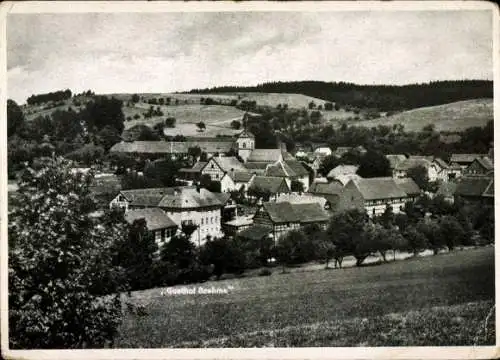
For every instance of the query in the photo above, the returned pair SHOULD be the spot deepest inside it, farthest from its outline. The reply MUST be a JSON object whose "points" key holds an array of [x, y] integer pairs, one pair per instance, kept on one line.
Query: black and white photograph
{"points": [[248, 175]]}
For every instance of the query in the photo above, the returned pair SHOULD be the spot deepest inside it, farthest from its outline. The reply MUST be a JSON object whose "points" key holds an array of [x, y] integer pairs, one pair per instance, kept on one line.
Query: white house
{"points": [[183, 205]]}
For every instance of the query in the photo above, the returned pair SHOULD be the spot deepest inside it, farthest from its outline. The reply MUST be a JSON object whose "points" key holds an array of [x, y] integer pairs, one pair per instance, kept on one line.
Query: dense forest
{"points": [[51, 96], [381, 97]]}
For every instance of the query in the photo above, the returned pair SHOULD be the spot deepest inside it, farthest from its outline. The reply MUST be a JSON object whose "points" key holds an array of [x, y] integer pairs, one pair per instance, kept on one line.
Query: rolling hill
{"points": [[455, 116]]}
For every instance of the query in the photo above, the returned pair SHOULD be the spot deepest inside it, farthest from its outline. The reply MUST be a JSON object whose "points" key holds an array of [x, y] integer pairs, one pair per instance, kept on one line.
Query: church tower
{"points": [[245, 141]]}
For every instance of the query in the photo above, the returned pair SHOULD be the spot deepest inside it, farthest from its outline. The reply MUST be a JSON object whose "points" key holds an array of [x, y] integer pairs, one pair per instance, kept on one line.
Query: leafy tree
{"points": [[312, 105], [135, 98], [207, 183], [235, 124], [224, 255], [288, 248], [60, 262], [133, 180], [147, 134], [194, 153], [419, 175], [136, 254], [328, 163], [163, 171], [451, 231], [374, 164], [259, 193], [107, 137], [15, 117], [328, 106], [170, 122], [102, 112], [66, 125], [417, 242], [201, 126], [88, 154], [346, 231], [387, 217], [431, 230]]}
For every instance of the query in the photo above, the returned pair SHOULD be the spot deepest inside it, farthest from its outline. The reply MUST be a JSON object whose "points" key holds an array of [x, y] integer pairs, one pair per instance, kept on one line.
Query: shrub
{"points": [[265, 272]]}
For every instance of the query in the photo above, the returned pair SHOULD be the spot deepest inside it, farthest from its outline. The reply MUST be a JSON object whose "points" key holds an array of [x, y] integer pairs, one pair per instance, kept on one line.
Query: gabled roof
{"points": [[281, 212], [246, 134], [443, 164], [342, 170], [269, 183], [297, 167], [279, 169], [333, 188], [144, 197], [265, 155], [155, 218], [378, 188], [485, 162], [310, 212], [197, 167], [475, 186], [408, 185], [229, 163], [108, 184], [241, 176], [251, 165], [223, 197], [184, 197], [465, 158], [412, 162], [344, 179]]}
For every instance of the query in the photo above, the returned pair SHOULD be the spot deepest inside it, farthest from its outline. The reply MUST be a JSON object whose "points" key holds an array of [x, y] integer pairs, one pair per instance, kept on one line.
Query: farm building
{"points": [[480, 166], [274, 186], [176, 149], [464, 160], [373, 195], [183, 205], [157, 222], [342, 170], [476, 189]]}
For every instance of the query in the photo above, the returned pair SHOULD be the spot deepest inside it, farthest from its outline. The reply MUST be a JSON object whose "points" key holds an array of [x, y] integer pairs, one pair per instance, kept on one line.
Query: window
{"points": [[217, 176], [244, 145], [212, 166], [201, 221], [211, 220]]}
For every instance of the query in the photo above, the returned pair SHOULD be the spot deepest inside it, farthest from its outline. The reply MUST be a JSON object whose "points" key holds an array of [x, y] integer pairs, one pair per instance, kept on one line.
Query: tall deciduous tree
{"points": [[63, 288], [374, 164], [15, 117]]}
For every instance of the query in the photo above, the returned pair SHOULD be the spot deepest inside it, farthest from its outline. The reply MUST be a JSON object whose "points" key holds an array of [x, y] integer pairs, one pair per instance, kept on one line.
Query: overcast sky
{"points": [[126, 52]]}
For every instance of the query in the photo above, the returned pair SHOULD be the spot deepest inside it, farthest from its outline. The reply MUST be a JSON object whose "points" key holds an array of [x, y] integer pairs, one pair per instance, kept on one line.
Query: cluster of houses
{"points": [[239, 166]]}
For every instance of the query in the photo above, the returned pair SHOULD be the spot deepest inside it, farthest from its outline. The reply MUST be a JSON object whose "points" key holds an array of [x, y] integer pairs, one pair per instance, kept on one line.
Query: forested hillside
{"points": [[381, 97]]}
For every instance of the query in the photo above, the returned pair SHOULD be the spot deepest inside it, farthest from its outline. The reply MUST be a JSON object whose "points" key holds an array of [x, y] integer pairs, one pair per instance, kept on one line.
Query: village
{"points": [[286, 191]]}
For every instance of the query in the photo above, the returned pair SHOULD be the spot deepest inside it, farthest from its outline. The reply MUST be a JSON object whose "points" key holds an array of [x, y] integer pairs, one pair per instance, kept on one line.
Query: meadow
{"points": [[436, 300], [451, 117]]}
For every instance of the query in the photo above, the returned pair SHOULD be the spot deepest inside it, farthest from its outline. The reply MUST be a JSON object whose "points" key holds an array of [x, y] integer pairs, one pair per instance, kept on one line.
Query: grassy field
{"points": [[456, 116], [217, 118], [437, 300]]}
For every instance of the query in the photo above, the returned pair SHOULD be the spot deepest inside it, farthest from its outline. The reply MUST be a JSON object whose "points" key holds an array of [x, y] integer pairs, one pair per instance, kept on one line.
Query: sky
{"points": [[166, 52]]}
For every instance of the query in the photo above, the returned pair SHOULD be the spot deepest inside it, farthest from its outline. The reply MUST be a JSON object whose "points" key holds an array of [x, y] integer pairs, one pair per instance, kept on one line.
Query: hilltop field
{"points": [[452, 117], [188, 109], [427, 301]]}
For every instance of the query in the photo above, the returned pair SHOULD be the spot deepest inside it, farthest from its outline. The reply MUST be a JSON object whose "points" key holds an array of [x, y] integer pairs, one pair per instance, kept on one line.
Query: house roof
{"points": [[223, 197], [251, 165], [265, 155], [281, 212], [408, 185], [280, 169], [310, 212], [485, 162], [246, 134], [197, 167], [412, 162], [171, 147], [465, 158], [395, 159], [475, 186], [241, 176], [229, 163], [342, 170], [334, 188], [184, 197], [379, 188], [344, 179], [179, 197], [297, 167], [155, 218], [269, 183], [144, 197], [443, 164], [255, 232]]}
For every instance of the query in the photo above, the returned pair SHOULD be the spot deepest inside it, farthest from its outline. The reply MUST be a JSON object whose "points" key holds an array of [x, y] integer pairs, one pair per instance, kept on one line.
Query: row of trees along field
{"points": [[382, 97]]}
